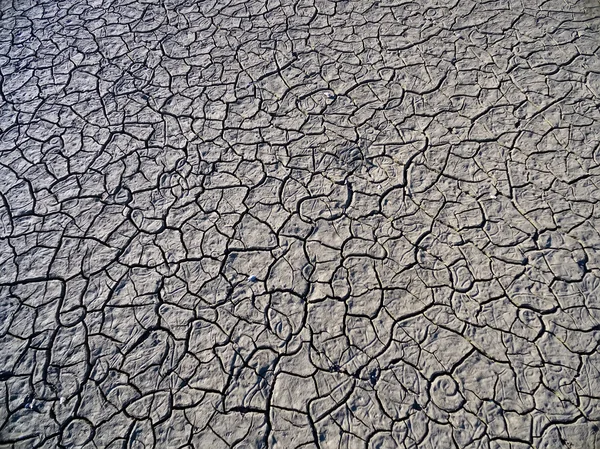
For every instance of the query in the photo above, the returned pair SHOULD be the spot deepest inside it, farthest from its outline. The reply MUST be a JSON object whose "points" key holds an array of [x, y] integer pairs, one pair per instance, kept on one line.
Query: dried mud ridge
{"points": [[299, 224]]}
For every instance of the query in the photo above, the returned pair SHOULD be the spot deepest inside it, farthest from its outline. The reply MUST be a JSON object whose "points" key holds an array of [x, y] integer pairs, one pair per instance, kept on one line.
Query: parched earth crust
{"points": [[299, 224]]}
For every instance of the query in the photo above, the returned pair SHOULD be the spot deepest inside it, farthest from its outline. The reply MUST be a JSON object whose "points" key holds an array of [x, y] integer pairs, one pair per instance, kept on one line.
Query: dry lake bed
{"points": [[299, 224]]}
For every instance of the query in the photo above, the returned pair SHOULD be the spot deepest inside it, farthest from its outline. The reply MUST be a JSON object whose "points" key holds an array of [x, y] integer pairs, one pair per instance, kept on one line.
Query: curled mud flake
{"points": [[123, 196], [445, 393], [137, 216]]}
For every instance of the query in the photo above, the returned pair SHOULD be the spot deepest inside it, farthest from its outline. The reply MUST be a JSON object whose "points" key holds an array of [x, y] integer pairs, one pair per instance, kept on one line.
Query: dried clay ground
{"points": [[299, 224]]}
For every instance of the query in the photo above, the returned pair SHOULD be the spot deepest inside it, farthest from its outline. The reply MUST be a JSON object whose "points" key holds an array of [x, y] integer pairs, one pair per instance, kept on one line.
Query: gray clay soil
{"points": [[299, 224]]}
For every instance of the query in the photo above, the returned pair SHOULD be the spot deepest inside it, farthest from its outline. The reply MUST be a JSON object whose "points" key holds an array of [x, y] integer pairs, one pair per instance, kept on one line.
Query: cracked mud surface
{"points": [[299, 224]]}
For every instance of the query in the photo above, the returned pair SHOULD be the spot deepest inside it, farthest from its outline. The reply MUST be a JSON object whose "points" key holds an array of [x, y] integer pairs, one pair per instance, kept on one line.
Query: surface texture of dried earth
{"points": [[299, 224]]}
